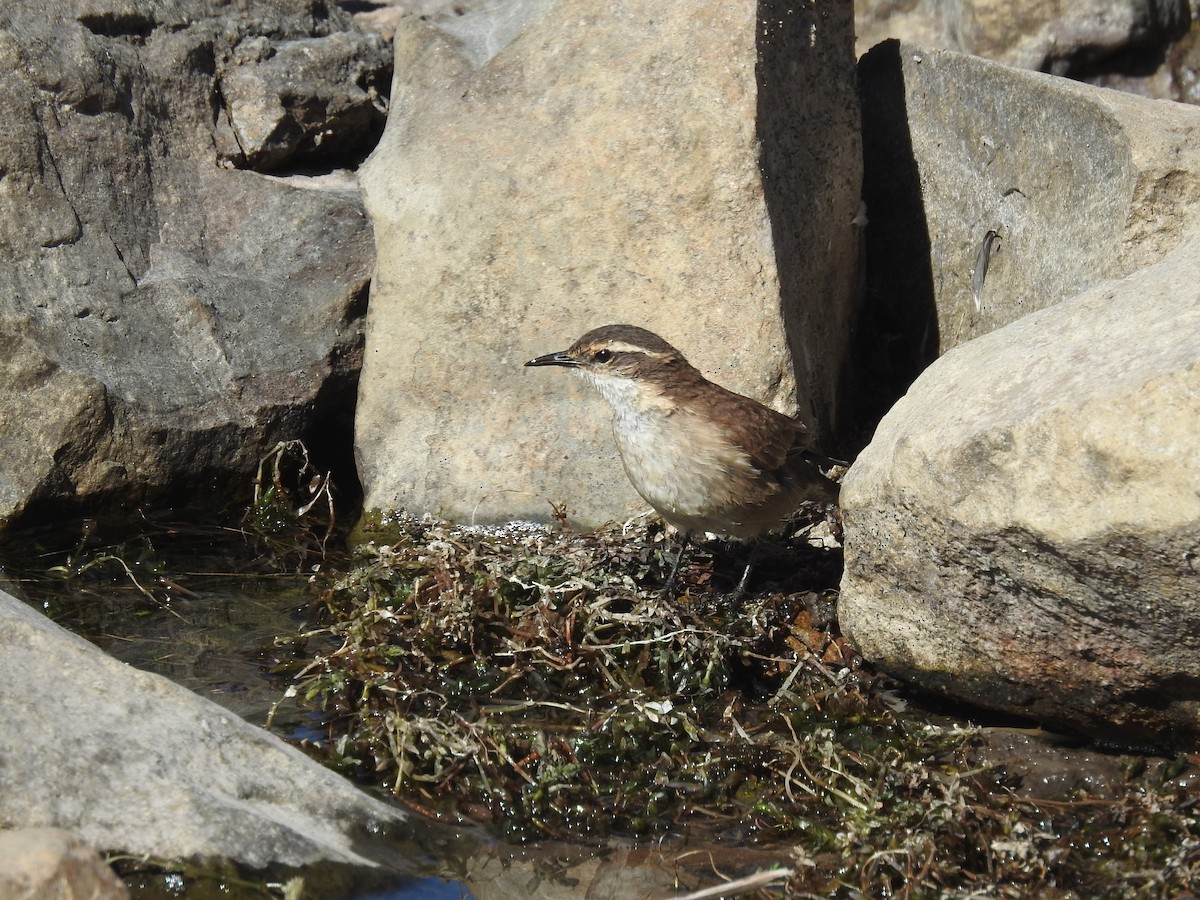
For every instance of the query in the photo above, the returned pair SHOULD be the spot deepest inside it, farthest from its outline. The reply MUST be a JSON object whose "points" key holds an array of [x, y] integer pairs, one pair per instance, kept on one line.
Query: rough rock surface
{"points": [[131, 761], [306, 99], [692, 168], [1022, 532], [164, 320], [44, 863], [1074, 184]]}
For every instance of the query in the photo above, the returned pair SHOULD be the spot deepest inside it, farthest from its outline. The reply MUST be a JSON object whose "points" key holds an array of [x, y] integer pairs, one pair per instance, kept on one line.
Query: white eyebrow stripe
{"points": [[622, 347]]}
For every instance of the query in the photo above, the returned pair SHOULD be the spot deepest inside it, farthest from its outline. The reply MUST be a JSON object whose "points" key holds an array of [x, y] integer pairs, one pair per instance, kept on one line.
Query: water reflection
{"points": [[214, 633]]}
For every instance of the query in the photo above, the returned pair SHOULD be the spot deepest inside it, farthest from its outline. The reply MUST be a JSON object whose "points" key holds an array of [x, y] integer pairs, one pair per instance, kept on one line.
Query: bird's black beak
{"points": [[562, 358]]}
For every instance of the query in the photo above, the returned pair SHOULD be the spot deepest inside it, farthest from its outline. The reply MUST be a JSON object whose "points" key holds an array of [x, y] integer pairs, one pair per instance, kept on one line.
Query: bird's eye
{"points": [[602, 356]]}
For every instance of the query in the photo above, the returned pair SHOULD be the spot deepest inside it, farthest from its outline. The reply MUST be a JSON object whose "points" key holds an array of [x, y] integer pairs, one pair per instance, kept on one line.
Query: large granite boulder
{"points": [[130, 761], [690, 167], [167, 317], [1021, 530]]}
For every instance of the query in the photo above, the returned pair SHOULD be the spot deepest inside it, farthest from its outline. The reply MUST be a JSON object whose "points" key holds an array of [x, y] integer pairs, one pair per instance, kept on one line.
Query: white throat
{"points": [[632, 402], [622, 394]]}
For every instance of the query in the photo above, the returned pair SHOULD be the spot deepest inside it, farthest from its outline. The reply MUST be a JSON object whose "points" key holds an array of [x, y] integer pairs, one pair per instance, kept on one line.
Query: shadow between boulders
{"points": [[891, 329], [896, 334], [807, 127]]}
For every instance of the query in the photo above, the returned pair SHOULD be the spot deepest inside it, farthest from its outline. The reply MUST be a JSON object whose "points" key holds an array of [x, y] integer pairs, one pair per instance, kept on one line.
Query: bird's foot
{"points": [[669, 589]]}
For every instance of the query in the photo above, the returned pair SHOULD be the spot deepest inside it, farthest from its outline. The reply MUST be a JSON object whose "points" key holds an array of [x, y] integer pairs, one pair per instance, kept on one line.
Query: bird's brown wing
{"points": [[773, 442], [782, 446], [773, 437]]}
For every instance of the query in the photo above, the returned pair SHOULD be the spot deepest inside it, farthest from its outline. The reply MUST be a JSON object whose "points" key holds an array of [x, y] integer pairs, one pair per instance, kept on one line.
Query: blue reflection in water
{"points": [[424, 889]]}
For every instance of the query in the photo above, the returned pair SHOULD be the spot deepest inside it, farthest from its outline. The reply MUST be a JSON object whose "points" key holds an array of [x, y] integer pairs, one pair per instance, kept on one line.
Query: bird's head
{"points": [[631, 367], [617, 351]]}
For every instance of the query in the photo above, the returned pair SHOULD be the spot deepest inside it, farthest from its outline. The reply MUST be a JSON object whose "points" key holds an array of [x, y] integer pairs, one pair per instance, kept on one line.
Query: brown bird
{"points": [[705, 458]]}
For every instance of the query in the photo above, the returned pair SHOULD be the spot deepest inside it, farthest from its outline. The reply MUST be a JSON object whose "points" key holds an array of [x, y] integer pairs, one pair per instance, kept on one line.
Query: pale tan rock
{"points": [[1024, 530], [625, 162], [43, 863]]}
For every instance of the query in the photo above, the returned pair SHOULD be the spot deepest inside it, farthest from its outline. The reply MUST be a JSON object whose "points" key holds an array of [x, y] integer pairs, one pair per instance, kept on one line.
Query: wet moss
{"points": [[539, 681]]}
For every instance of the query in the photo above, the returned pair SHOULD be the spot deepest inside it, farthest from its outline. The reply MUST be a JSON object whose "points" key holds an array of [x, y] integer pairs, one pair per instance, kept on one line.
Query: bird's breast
{"points": [[683, 467]]}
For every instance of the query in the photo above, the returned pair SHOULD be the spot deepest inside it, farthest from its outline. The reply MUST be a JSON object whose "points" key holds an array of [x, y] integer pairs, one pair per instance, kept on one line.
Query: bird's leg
{"points": [[669, 588], [740, 591]]}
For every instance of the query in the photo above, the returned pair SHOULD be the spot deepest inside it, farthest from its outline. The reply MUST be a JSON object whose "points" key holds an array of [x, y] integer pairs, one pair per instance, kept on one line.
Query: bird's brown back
{"points": [[777, 445]]}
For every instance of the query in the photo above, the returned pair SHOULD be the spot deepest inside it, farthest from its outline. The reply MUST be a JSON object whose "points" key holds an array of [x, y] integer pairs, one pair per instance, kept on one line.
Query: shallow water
{"points": [[210, 625], [217, 641]]}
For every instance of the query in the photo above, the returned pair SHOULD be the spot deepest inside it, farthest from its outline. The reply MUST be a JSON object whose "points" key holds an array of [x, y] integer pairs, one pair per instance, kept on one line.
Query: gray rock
{"points": [[166, 321], [1020, 533], [690, 168], [52, 863], [1074, 185], [309, 98], [131, 761]]}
